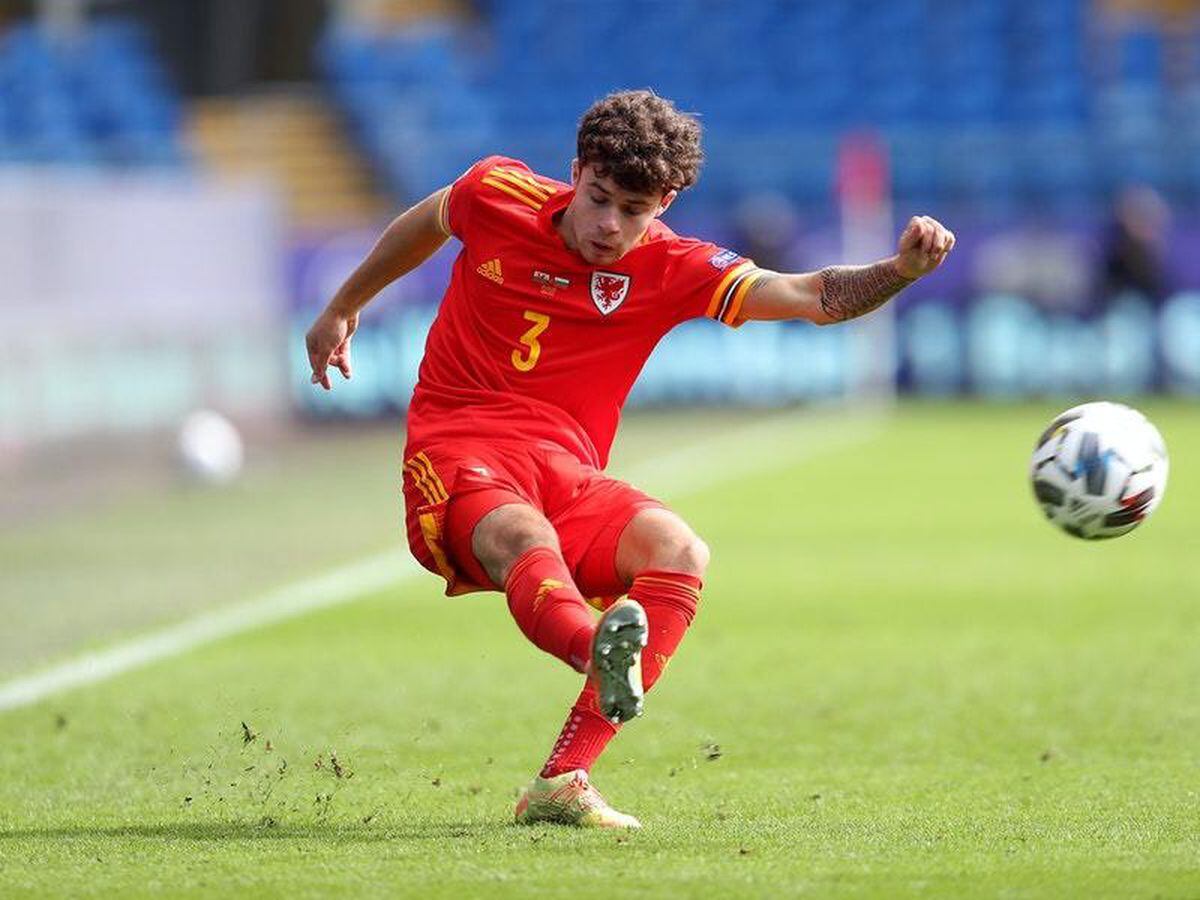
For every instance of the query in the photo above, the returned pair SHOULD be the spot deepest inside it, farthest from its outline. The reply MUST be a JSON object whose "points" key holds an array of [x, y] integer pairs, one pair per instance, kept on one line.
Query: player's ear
{"points": [[667, 200], [575, 170]]}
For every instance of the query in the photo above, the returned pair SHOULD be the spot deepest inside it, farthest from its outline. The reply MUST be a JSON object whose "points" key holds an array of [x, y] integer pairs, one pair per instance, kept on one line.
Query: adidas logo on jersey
{"points": [[492, 271]]}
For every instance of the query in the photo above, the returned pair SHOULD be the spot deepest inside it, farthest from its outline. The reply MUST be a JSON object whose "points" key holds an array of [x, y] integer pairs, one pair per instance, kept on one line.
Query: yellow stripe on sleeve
{"points": [[520, 181], [512, 192], [735, 306], [444, 213], [548, 187], [719, 293], [533, 179]]}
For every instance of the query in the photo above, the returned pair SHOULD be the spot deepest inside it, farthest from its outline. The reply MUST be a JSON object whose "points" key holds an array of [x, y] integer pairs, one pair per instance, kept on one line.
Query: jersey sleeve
{"points": [[456, 213], [709, 281]]}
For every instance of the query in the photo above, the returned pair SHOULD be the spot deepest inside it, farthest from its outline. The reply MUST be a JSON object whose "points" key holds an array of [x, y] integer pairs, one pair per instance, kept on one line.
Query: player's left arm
{"points": [[838, 293]]}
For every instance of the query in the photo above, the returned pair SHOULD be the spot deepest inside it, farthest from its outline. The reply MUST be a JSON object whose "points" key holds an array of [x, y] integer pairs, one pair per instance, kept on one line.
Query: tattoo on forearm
{"points": [[851, 291]]}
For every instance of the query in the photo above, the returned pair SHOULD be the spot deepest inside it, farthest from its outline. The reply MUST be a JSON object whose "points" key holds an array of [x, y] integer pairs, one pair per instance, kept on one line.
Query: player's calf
{"points": [[518, 548], [548, 607]]}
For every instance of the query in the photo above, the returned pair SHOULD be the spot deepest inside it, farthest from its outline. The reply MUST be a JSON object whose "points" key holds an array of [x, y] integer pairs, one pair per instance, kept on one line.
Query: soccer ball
{"points": [[1099, 470], [210, 448]]}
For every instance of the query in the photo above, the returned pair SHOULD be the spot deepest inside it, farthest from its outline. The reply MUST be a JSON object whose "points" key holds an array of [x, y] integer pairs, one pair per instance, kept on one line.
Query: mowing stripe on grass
{"points": [[734, 454]]}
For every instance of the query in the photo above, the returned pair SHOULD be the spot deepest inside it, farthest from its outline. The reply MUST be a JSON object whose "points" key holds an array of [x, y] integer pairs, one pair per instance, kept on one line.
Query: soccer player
{"points": [[558, 296]]}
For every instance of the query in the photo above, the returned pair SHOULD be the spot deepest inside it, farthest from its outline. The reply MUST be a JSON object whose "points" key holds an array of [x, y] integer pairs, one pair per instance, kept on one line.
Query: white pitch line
{"points": [[336, 586], [757, 447]]}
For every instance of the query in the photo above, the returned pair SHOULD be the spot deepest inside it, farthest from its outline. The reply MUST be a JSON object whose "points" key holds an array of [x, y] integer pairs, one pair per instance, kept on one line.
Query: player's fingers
{"points": [[941, 232], [927, 236], [318, 373], [318, 358], [343, 358], [935, 233], [939, 236]]}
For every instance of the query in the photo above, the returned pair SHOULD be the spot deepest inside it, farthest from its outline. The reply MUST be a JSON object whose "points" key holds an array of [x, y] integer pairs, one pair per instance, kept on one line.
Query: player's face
{"points": [[604, 221]]}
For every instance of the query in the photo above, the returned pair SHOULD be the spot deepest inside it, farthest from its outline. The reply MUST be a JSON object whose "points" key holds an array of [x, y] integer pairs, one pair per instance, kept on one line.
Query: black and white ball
{"points": [[1099, 470]]}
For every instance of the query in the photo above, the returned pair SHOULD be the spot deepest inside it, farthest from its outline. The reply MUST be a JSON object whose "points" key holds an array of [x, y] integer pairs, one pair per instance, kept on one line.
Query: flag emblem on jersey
{"points": [[723, 259], [545, 278], [492, 271], [609, 290]]}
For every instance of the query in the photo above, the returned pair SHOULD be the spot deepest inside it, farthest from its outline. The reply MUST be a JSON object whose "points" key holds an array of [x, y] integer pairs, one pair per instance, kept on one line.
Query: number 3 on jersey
{"points": [[523, 362]]}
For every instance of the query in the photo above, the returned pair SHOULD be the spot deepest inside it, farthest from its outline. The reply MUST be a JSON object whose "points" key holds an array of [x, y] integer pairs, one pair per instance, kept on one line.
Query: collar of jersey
{"points": [[554, 205]]}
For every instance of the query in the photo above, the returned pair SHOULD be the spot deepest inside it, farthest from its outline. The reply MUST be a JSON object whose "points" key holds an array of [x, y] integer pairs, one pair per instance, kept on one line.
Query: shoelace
{"points": [[588, 797], [580, 791]]}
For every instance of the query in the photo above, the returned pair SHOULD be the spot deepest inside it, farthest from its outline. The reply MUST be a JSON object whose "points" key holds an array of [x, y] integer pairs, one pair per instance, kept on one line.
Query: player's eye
{"points": [[599, 200]]}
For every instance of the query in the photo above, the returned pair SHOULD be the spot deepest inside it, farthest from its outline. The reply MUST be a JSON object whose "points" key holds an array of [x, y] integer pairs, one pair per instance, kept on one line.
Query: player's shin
{"points": [[548, 607], [583, 738]]}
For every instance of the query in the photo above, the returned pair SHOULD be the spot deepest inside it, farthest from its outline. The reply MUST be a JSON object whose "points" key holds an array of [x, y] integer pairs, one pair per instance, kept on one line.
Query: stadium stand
{"points": [[1005, 107], [100, 98], [294, 138]]}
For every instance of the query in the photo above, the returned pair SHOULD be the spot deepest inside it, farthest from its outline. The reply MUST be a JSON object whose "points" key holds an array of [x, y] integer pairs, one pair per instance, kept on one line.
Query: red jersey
{"points": [[533, 342]]}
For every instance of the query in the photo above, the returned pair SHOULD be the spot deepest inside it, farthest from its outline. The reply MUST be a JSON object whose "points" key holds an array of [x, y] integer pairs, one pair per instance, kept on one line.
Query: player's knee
{"points": [[659, 539], [680, 550], [693, 557], [504, 534]]}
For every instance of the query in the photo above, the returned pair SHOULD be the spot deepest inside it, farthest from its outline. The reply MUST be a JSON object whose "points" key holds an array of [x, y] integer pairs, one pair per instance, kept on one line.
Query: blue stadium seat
{"points": [[1056, 170], [980, 169], [986, 104], [1141, 56], [97, 100]]}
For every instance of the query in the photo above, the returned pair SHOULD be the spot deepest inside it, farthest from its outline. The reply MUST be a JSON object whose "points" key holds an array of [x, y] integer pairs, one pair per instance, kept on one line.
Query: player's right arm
{"points": [[408, 241]]}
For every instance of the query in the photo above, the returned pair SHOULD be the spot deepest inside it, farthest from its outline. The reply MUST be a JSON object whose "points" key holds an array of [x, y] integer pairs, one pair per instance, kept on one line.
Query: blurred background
{"points": [[183, 184]]}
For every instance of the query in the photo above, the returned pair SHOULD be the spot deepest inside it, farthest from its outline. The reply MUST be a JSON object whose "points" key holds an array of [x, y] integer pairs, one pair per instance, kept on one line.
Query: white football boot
{"points": [[569, 799]]}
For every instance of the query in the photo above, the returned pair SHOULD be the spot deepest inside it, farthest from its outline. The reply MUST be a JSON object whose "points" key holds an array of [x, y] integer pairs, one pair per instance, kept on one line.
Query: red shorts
{"points": [[448, 488]]}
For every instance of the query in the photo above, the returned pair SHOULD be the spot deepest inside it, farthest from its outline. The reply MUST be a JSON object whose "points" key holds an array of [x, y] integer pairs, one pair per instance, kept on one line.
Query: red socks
{"points": [[548, 607], [583, 738], [670, 600]]}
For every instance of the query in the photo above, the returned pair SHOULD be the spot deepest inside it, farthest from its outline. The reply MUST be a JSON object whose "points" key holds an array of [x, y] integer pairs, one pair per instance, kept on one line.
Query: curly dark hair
{"points": [[641, 141]]}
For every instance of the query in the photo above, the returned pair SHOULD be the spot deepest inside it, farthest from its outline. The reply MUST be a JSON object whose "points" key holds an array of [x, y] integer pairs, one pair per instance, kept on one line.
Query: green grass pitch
{"points": [[902, 683]]}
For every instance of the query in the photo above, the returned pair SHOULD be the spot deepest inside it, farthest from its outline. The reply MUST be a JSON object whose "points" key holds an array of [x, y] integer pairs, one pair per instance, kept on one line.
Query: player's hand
{"points": [[923, 246], [328, 344]]}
